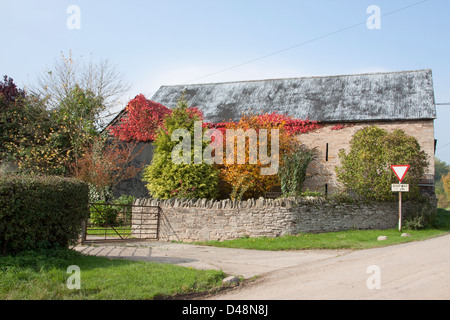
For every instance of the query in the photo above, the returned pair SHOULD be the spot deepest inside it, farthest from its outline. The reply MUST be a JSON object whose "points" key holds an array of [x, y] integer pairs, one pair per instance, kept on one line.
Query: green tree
{"points": [[441, 170], [101, 78], [166, 179], [446, 183], [49, 141], [24, 126], [365, 170], [77, 115], [12, 112]]}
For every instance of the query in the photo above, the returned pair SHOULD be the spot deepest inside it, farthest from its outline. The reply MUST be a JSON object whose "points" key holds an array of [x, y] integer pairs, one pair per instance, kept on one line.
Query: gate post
{"points": [[83, 231], [158, 217], [135, 225]]}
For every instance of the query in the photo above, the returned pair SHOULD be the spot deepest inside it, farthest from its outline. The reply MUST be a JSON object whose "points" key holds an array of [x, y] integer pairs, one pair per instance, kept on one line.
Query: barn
{"points": [[342, 104]]}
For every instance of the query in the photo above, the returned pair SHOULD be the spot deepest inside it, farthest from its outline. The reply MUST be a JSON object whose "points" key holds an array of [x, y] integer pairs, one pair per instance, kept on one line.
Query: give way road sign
{"points": [[400, 171]]}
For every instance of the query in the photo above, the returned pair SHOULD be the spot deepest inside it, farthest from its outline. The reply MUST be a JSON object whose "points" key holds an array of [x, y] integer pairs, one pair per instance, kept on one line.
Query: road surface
{"points": [[417, 270]]}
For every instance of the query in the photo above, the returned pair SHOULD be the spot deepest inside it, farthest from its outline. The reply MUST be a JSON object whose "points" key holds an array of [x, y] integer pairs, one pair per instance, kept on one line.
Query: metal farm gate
{"points": [[116, 222]]}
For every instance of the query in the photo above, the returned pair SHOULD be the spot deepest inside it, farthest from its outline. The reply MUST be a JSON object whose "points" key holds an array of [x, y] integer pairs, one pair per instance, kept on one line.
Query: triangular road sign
{"points": [[400, 171]]}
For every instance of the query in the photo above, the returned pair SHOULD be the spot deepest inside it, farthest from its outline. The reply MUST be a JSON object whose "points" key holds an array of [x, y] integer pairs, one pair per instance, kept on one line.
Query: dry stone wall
{"points": [[203, 220]]}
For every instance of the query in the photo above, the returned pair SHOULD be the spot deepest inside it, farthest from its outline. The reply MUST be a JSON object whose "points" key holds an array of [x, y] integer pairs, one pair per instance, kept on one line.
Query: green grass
{"points": [[350, 239], [43, 276]]}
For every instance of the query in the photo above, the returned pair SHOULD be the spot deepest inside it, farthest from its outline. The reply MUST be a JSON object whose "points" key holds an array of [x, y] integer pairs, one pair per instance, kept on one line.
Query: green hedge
{"points": [[40, 212]]}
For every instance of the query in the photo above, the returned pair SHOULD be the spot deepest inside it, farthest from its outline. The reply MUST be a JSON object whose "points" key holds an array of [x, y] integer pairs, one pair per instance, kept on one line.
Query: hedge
{"points": [[40, 212]]}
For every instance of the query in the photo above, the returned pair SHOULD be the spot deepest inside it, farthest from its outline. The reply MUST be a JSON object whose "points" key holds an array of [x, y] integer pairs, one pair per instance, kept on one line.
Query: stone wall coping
{"points": [[235, 204]]}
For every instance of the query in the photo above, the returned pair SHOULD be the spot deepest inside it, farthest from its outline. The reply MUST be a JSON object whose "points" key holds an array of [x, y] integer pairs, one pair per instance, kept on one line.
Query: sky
{"points": [[155, 43]]}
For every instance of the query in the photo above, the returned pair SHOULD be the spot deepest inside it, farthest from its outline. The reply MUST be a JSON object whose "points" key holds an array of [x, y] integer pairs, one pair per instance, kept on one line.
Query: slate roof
{"points": [[406, 95]]}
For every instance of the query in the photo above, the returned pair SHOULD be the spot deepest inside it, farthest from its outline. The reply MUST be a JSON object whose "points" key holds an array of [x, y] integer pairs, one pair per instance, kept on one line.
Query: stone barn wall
{"points": [[329, 142]]}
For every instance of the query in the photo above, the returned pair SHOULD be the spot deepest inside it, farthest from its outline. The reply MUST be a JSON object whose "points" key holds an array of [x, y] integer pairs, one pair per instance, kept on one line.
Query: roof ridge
{"points": [[306, 77]]}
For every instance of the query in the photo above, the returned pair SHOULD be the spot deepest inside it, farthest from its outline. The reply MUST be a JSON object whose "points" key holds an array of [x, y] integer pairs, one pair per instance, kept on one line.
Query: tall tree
{"points": [[446, 182], [11, 110], [46, 141], [102, 78], [21, 117], [441, 170]]}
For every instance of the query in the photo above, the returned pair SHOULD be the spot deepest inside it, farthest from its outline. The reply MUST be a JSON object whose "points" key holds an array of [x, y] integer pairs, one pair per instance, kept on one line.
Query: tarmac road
{"points": [[413, 271], [416, 270]]}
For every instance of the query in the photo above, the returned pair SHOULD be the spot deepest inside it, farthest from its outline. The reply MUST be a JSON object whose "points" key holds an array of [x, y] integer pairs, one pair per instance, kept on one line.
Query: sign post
{"points": [[399, 211], [400, 171]]}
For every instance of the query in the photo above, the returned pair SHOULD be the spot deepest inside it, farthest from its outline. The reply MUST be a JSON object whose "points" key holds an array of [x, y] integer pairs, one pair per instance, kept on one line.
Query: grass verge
{"points": [[43, 276], [350, 239]]}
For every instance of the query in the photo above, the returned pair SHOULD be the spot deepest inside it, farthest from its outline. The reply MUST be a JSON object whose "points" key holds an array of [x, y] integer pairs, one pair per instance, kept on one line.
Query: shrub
{"points": [[116, 213], [309, 193], [40, 212], [366, 171], [106, 163], [103, 215], [166, 179], [257, 184], [293, 171], [421, 214], [183, 192], [244, 183]]}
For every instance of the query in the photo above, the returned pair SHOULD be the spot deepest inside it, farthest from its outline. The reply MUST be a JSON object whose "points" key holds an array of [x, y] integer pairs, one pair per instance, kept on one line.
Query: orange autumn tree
{"points": [[105, 163], [244, 178]]}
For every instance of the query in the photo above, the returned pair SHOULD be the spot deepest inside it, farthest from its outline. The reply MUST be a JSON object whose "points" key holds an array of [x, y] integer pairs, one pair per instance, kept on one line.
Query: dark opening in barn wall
{"points": [[135, 186]]}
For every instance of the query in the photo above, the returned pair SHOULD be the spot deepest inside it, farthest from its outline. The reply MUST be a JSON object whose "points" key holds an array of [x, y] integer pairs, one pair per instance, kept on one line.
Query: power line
{"points": [[303, 43], [448, 144]]}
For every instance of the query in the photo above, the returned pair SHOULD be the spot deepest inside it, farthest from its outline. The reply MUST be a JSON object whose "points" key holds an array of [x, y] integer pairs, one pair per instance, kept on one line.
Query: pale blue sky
{"points": [[167, 42]]}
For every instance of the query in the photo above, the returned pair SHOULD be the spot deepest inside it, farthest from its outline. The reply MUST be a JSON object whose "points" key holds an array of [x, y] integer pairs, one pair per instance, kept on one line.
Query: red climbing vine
{"points": [[142, 119]]}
